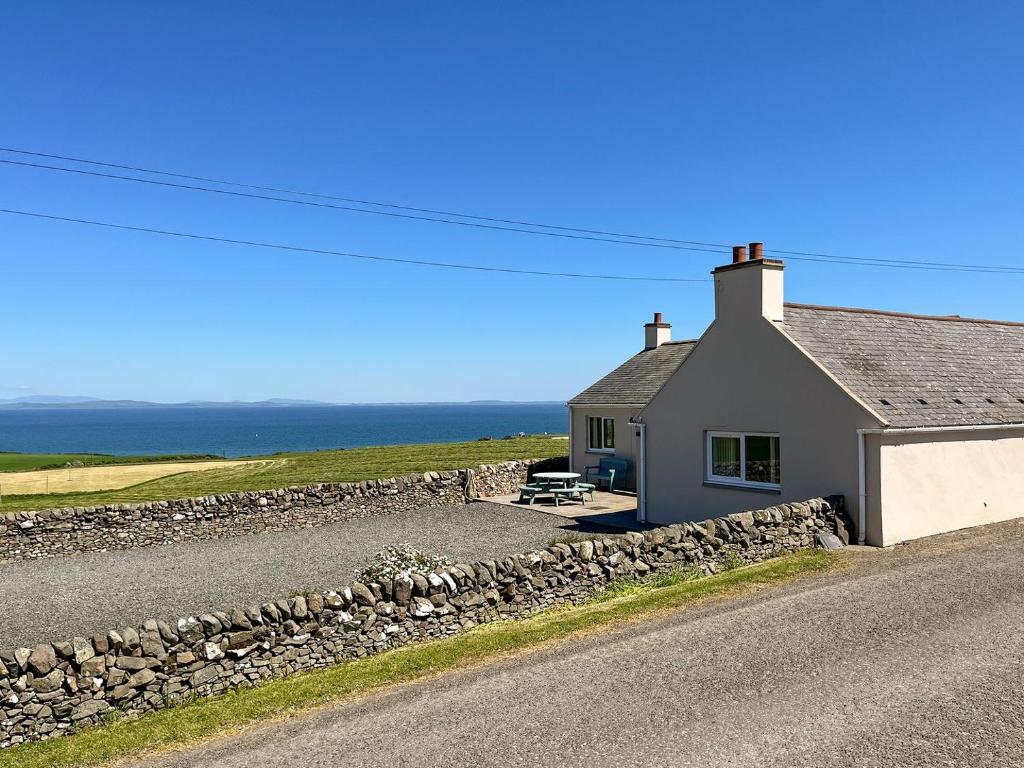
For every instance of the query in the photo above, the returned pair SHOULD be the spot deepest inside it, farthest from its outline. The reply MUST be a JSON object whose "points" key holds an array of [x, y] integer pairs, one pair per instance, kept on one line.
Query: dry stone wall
{"points": [[73, 530], [60, 687]]}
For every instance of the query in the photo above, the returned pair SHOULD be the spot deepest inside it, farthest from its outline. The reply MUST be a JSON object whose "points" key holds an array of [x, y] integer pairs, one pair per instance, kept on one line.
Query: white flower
{"points": [[401, 560]]}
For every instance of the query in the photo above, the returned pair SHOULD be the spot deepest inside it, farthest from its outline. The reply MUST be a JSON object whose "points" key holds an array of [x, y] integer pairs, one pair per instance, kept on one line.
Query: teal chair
{"points": [[606, 471]]}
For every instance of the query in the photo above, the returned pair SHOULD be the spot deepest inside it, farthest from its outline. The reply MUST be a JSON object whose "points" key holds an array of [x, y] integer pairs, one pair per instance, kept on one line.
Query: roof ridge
{"points": [[911, 315]]}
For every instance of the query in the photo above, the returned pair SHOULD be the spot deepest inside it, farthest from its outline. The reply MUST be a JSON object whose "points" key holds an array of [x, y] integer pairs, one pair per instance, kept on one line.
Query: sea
{"points": [[249, 431]]}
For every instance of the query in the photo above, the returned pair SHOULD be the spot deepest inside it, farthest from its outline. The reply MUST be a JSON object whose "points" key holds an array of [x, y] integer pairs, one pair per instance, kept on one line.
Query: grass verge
{"points": [[281, 470], [204, 718]]}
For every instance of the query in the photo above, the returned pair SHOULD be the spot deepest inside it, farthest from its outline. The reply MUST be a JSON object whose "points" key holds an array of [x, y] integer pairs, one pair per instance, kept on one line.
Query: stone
{"points": [[89, 708], [422, 607], [420, 585], [131, 640], [49, 682], [42, 659], [362, 594], [211, 626], [21, 657], [131, 663], [82, 650], [212, 651], [842, 530], [242, 652], [101, 643], [151, 643], [586, 550], [94, 667], [141, 678], [205, 675], [123, 692], [269, 610], [635, 539], [401, 588], [315, 603], [64, 648], [240, 639], [828, 541]]}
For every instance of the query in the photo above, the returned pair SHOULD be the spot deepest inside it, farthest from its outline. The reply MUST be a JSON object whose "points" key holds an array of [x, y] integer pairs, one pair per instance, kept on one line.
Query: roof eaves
{"points": [[605, 405], [982, 426]]}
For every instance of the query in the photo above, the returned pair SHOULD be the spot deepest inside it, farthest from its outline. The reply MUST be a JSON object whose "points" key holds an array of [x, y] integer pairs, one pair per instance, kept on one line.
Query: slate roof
{"points": [[638, 379], [918, 370]]}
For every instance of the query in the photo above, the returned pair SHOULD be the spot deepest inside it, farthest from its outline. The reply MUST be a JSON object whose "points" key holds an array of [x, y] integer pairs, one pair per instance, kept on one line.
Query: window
{"points": [[750, 459], [601, 434]]}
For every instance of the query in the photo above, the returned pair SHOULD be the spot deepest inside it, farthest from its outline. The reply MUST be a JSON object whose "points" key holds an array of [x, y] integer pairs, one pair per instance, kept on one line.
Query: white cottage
{"points": [[917, 420]]}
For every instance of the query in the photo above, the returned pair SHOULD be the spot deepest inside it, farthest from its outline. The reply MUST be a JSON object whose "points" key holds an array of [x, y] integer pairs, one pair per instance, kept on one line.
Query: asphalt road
{"points": [[909, 657], [62, 597]]}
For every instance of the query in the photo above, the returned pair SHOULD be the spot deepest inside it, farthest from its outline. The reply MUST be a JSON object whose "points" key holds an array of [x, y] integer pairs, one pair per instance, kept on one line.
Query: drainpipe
{"points": [[641, 472], [572, 445], [862, 493]]}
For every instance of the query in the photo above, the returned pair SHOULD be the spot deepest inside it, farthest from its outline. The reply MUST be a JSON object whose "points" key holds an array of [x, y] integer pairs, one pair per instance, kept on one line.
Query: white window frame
{"points": [[741, 481], [602, 419]]}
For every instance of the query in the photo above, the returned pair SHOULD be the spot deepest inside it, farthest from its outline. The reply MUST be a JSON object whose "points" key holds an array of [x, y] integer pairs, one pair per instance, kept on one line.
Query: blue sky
{"points": [[884, 130]]}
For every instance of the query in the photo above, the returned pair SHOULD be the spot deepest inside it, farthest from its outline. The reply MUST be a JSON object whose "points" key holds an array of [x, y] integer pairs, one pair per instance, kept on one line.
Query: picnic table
{"points": [[555, 478], [559, 485]]}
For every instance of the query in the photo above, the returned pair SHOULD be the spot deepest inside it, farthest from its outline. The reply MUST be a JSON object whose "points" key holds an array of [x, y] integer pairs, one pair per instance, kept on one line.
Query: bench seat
{"points": [[572, 493], [529, 492]]}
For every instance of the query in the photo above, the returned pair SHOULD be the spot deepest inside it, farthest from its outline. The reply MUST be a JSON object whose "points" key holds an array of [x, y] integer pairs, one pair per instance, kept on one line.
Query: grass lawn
{"points": [[205, 718], [286, 469], [26, 462]]}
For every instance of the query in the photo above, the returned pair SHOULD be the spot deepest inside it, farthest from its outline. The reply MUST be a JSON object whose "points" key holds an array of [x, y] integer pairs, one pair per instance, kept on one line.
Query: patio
{"points": [[612, 510]]}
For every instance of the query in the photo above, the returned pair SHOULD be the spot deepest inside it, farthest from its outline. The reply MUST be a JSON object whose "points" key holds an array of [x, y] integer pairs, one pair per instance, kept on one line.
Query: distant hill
{"points": [[95, 403], [48, 402]]}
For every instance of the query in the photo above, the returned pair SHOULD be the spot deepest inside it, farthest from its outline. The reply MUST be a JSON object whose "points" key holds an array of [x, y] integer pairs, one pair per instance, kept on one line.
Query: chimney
{"points": [[656, 333], [750, 288]]}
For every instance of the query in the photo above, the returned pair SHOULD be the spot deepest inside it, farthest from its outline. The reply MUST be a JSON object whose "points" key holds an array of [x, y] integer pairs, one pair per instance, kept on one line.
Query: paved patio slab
{"points": [[610, 510]]}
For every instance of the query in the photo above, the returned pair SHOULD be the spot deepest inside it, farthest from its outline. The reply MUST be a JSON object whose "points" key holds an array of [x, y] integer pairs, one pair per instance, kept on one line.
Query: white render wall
{"points": [[942, 481], [747, 375], [626, 446]]}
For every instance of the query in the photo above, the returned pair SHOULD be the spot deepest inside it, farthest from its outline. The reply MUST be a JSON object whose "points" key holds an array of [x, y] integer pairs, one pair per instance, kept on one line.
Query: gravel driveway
{"points": [[57, 598], [910, 657]]}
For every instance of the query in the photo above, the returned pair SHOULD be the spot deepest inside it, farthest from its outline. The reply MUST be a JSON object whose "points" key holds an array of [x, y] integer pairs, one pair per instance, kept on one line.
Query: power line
{"points": [[664, 243], [600, 235], [346, 254], [324, 196], [417, 217]]}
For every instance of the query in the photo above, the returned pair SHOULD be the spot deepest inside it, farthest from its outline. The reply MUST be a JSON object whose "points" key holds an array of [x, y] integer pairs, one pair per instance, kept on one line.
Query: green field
{"points": [[287, 469], [26, 462]]}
